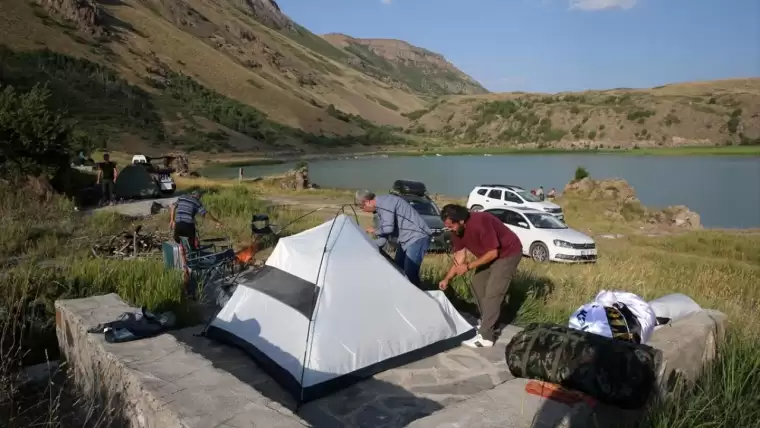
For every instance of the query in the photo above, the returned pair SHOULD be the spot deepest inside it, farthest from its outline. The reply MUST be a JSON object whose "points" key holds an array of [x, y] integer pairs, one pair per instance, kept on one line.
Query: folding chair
{"points": [[206, 266], [212, 245]]}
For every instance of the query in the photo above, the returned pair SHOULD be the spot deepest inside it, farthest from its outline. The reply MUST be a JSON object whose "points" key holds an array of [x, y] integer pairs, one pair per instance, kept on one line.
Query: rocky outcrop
{"points": [[678, 216], [38, 187], [396, 60], [295, 179], [620, 203], [615, 189], [268, 13], [86, 14]]}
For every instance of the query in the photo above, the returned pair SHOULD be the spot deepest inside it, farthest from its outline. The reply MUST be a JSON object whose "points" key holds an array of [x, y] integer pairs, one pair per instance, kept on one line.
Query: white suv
{"points": [[490, 196]]}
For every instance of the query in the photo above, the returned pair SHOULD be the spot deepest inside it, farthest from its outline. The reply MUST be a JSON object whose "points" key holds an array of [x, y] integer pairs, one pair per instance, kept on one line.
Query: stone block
{"points": [[687, 345], [158, 382]]}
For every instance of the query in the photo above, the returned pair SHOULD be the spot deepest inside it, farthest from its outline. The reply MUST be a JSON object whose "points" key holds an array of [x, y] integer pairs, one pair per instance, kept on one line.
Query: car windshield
{"points": [[425, 208], [528, 196], [545, 221]]}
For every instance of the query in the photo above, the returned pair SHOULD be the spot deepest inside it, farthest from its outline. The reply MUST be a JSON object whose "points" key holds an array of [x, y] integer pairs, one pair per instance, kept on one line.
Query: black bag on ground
{"points": [[615, 372], [136, 325]]}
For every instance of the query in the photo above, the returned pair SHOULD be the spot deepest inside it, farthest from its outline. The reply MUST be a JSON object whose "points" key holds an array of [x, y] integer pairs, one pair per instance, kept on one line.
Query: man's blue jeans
{"points": [[410, 260]]}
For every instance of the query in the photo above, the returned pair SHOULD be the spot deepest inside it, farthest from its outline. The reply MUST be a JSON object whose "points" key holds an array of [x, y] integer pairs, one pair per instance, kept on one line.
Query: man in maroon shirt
{"points": [[498, 251]]}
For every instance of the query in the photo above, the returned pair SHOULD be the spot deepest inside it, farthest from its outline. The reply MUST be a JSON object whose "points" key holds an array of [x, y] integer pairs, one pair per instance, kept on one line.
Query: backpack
{"points": [[615, 372]]}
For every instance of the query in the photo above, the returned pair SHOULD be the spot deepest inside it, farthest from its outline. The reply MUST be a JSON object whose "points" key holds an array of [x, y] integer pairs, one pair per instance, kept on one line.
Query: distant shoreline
{"points": [[739, 151]]}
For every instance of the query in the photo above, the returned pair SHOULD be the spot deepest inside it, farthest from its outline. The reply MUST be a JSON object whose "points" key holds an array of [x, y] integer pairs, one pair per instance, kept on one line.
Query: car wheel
{"points": [[476, 208], [539, 252]]}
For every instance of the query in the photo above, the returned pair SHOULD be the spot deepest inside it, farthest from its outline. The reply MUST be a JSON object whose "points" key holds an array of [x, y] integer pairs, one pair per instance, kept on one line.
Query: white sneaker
{"points": [[478, 342]]}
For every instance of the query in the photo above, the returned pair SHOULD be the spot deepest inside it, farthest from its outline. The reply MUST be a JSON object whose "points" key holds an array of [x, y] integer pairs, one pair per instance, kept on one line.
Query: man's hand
{"points": [[171, 225], [459, 269], [443, 285], [371, 230]]}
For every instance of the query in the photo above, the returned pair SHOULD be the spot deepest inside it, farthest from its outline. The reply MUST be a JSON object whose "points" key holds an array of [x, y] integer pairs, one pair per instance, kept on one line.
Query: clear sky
{"points": [[559, 45]]}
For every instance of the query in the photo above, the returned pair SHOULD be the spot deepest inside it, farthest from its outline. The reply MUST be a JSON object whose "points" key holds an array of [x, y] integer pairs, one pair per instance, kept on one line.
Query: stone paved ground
{"points": [[389, 399], [397, 397]]}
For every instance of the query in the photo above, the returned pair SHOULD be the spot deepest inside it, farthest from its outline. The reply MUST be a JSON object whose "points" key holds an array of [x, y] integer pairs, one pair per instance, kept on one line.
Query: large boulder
{"points": [[295, 179], [619, 202], [85, 14], [678, 216], [615, 189]]}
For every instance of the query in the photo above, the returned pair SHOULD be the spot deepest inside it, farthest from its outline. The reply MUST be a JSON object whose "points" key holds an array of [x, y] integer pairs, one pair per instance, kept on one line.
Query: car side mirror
{"points": [[523, 224]]}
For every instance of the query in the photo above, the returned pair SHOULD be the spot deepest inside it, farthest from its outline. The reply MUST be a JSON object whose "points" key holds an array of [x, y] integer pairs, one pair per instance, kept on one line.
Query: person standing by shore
{"points": [[498, 252], [399, 219], [107, 174]]}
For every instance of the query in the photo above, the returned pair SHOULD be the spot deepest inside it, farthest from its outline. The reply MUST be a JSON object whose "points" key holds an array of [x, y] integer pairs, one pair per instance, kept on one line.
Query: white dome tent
{"points": [[328, 309]]}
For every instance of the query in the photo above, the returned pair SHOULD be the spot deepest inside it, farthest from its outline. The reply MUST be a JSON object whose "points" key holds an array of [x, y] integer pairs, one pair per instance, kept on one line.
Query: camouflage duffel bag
{"points": [[615, 372]]}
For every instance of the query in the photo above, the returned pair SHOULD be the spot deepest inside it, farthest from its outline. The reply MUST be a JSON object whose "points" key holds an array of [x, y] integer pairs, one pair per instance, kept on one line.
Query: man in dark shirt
{"points": [[498, 252], [107, 173]]}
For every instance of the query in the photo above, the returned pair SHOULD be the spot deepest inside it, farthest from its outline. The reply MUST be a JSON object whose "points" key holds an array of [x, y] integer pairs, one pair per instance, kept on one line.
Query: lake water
{"points": [[725, 191]]}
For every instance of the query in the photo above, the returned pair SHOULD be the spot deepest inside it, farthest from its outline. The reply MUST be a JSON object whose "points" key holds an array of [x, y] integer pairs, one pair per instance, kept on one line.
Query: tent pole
{"points": [[313, 318]]}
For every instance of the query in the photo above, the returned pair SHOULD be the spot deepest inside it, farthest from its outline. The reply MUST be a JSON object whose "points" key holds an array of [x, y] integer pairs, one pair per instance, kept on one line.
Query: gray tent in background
{"points": [[134, 182]]}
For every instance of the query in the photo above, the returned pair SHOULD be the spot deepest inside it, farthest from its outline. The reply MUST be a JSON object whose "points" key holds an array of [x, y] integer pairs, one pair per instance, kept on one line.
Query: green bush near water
{"points": [[581, 173]]}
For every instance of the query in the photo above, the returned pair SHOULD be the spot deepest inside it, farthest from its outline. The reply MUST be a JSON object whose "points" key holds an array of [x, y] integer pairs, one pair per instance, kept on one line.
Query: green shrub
{"points": [[671, 119], [553, 134], [33, 140], [581, 173], [640, 115], [101, 101]]}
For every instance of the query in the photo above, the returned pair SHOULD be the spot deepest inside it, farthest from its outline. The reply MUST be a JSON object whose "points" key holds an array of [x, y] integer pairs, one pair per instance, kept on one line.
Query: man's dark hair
{"points": [[455, 212]]}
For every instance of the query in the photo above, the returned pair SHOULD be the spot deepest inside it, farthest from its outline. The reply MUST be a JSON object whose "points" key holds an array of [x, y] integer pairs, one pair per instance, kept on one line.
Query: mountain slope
{"points": [[697, 113], [398, 62], [246, 51]]}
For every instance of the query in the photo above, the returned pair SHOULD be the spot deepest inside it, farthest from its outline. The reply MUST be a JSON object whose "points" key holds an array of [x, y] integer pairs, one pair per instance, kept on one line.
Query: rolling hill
{"points": [[722, 112]]}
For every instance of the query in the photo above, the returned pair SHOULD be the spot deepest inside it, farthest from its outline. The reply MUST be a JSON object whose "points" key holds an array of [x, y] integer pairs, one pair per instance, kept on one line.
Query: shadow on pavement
{"points": [[369, 403]]}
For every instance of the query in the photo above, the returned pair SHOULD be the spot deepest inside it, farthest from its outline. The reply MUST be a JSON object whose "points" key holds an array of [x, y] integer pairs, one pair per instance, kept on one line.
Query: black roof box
{"points": [[502, 186], [408, 187]]}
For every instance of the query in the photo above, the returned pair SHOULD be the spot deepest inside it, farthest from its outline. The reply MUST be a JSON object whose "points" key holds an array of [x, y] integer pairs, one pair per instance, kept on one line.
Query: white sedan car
{"points": [[546, 238]]}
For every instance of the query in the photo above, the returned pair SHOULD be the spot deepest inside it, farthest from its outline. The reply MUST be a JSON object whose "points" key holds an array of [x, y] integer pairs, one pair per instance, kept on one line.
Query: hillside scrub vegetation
{"points": [[661, 117], [104, 106]]}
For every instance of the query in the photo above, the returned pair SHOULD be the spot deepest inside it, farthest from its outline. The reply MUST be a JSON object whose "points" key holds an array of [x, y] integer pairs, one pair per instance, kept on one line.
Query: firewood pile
{"points": [[130, 244]]}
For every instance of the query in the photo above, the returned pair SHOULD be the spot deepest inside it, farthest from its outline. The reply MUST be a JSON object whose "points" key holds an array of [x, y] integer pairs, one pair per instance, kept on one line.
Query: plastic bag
{"points": [[616, 314]]}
